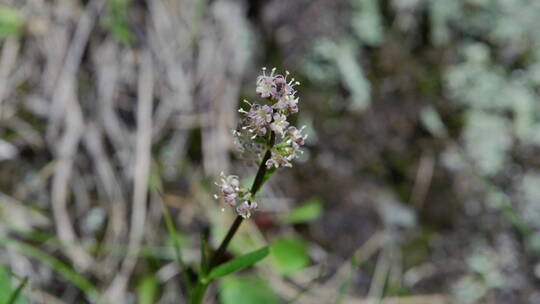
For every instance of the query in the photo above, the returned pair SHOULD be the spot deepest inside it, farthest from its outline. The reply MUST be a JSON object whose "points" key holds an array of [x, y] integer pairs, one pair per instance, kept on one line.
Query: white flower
{"points": [[246, 209], [280, 124]]}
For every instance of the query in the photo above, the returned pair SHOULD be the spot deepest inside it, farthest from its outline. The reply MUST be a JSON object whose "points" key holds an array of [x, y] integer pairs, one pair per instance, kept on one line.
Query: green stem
{"points": [[257, 183], [198, 294]]}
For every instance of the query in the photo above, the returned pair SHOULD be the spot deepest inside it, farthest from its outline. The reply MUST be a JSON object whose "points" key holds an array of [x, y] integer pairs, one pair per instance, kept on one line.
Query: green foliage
{"points": [[11, 21], [238, 263], [267, 175], [308, 212], [289, 255], [246, 290], [204, 259], [117, 20], [173, 235], [8, 294], [147, 289]]}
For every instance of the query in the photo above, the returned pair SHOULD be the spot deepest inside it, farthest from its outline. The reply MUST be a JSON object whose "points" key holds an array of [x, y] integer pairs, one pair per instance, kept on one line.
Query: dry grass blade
{"points": [[143, 145]]}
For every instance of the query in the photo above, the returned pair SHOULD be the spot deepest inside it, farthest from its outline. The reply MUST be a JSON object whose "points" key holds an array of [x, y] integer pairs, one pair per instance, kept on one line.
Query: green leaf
{"points": [[310, 211], [117, 20], [246, 290], [15, 295], [289, 255], [173, 234], [11, 21], [154, 179], [239, 263], [147, 290], [268, 174], [7, 294]]}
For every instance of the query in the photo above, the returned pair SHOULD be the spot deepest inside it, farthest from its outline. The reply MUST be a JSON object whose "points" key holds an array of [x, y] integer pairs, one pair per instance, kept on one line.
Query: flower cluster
{"points": [[235, 196], [264, 128], [282, 102]]}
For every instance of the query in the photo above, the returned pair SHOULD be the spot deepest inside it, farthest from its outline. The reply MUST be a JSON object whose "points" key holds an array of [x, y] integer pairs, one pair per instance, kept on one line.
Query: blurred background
{"points": [[420, 181]]}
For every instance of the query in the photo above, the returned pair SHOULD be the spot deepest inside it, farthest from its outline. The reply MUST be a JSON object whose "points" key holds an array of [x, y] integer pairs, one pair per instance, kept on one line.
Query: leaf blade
{"points": [[239, 263], [15, 295]]}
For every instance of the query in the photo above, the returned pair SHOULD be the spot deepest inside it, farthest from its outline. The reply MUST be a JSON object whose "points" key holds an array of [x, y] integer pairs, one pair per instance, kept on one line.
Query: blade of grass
{"points": [[15, 295], [64, 270], [174, 235], [204, 262]]}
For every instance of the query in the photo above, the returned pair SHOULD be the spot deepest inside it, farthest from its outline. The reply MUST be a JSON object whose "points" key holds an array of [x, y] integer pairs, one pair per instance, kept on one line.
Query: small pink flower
{"points": [[279, 124], [278, 160], [265, 86], [287, 104], [259, 118], [296, 137], [229, 187], [246, 209]]}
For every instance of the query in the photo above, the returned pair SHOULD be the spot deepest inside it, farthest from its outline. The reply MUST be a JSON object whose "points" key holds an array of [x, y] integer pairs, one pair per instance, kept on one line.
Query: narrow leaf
{"points": [[239, 263], [147, 289], [268, 174], [173, 234], [17, 292]]}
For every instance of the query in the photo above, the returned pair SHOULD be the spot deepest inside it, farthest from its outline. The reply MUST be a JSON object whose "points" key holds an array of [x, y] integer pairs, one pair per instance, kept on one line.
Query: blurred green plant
{"points": [[147, 289], [11, 21], [307, 212], [246, 290], [8, 294], [289, 255], [116, 20]]}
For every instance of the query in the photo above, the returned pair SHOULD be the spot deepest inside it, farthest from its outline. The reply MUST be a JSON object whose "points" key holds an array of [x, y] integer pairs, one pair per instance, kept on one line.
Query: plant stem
{"points": [[257, 183], [198, 294]]}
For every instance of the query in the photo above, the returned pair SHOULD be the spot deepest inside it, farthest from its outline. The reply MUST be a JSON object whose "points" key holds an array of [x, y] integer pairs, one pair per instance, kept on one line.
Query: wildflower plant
{"points": [[266, 135]]}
